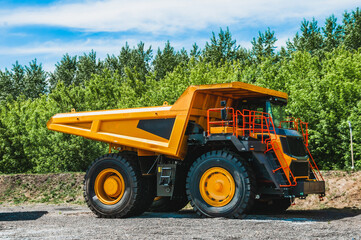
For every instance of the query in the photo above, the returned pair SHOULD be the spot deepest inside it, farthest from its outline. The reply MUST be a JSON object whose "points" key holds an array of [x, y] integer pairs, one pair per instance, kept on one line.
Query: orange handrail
{"points": [[316, 172], [298, 125], [222, 122], [276, 149], [249, 119]]}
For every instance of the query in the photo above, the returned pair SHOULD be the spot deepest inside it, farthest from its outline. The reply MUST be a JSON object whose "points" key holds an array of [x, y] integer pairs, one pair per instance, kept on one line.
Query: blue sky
{"points": [[46, 30]]}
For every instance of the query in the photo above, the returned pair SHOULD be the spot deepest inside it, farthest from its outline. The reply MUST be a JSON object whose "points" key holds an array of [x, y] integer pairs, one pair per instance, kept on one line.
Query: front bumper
{"points": [[309, 187]]}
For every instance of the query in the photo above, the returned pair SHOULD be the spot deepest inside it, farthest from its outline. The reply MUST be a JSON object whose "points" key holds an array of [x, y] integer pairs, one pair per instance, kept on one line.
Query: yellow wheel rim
{"points": [[109, 186], [157, 199], [217, 187]]}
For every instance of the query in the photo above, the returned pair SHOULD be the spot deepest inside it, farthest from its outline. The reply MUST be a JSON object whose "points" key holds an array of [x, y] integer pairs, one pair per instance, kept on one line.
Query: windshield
{"points": [[277, 112]]}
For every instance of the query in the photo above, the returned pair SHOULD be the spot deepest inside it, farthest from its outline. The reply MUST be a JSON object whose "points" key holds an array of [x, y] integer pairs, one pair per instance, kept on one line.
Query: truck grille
{"points": [[293, 146], [299, 168]]}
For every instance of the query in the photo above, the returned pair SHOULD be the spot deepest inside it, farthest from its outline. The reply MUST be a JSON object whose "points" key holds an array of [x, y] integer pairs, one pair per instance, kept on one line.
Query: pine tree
{"points": [[332, 34], [195, 52], [221, 49], [35, 81], [17, 75], [167, 60], [6, 86], [291, 45], [86, 66], [65, 71], [183, 56], [264, 46], [311, 39], [137, 59], [352, 27], [111, 62], [30, 81], [244, 56]]}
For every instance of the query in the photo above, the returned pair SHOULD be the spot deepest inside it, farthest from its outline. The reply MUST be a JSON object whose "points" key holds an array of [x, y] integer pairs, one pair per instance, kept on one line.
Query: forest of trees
{"points": [[320, 69]]}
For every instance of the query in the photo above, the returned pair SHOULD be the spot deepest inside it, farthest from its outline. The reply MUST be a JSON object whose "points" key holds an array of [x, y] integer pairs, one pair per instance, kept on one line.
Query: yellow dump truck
{"points": [[228, 149]]}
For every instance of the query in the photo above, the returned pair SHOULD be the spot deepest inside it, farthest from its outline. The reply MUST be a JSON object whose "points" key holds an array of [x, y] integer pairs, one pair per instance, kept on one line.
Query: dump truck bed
{"points": [[156, 130]]}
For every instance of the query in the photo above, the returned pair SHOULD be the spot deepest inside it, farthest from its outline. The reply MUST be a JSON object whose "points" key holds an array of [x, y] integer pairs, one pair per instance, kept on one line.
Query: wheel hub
{"points": [[112, 186], [217, 187], [109, 186]]}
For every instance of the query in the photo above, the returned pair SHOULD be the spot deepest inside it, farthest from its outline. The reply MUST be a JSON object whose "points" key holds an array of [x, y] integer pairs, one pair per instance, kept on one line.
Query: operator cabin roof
{"points": [[238, 90]]}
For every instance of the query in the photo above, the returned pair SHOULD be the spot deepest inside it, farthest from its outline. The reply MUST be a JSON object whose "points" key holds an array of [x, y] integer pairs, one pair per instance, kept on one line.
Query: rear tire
{"points": [[221, 184], [114, 186], [166, 204]]}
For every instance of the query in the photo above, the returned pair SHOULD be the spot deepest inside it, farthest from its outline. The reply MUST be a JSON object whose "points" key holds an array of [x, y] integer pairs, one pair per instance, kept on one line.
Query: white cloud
{"points": [[74, 47], [167, 16], [51, 52], [101, 46]]}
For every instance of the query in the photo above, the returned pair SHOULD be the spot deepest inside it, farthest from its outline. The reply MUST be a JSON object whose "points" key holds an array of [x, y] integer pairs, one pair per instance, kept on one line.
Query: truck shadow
{"points": [[318, 215], [321, 215], [21, 216], [181, 214]]}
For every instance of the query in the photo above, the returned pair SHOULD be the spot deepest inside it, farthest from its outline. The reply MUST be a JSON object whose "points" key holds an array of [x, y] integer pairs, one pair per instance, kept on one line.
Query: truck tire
{"points": [[114, 187], [274, 206], [166, 204], [221, 184]]}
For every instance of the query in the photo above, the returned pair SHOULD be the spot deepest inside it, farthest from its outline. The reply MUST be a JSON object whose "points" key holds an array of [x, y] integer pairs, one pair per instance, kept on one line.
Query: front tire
{"points": [[114, 187], [221, 184]]}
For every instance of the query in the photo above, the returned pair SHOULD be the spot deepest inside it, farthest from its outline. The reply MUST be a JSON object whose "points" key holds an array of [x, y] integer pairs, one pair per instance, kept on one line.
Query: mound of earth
{"points": [[343, 190]]}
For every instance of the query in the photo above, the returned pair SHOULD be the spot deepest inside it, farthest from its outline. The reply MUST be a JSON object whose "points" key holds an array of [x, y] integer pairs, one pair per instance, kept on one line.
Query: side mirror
{"points": [[224, 113], [224, 110]]}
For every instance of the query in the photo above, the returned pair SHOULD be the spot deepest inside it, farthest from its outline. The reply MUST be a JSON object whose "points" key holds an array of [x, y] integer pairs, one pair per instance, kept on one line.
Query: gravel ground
{"points": [[77, 222]]}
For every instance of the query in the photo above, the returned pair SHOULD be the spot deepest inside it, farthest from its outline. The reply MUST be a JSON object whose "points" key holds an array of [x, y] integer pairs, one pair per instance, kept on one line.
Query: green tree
{"points": [[264, 46], [35, 81], [30, 81], [13, 157], [137, 59], [65, 71], [352, 27], [183, 56], [86, 66], [6, 85], [195, 51], [310, 40], [332, 34], [221, 49], [75, 71], [111, 62], [166, 60]]}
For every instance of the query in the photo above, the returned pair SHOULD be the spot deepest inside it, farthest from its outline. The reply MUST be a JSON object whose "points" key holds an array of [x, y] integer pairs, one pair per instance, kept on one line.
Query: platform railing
{"points": [[314, 167], [302, 127], [298, 125], [222, 123]]}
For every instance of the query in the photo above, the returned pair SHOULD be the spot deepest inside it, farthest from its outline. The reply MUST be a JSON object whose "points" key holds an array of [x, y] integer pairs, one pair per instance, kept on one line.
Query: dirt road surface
{"points": [[77, 222]]}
